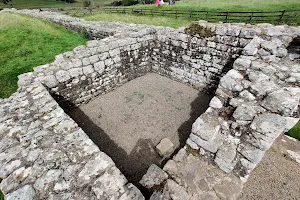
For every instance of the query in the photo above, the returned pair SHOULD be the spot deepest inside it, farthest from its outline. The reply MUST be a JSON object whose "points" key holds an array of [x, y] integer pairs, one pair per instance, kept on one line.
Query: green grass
{"points": [[295, 131], [229, 5], [157, 21], [21, 4], [28, 42]]}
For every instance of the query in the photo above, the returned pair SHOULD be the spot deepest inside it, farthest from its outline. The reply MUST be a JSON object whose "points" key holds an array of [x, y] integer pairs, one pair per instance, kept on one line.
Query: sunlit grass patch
{"points": [[29, 42], [156, 20]]}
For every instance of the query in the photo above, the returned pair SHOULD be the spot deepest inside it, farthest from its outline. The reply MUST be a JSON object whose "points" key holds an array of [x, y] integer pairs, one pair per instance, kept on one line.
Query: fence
{"points": [[291, 17]]}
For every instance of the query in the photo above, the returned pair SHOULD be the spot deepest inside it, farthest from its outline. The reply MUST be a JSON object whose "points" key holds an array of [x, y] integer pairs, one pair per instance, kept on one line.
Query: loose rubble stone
{"points": [[155, 176], [215, 103], [165, 147]]}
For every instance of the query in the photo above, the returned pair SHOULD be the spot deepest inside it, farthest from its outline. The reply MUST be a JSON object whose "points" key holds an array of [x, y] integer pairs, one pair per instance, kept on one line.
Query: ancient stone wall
{"points": [[43, 153]]}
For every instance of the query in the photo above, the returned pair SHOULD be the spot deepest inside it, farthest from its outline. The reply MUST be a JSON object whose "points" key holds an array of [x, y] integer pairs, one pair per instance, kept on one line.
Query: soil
{"points": [[128, 122], [277, 176]]}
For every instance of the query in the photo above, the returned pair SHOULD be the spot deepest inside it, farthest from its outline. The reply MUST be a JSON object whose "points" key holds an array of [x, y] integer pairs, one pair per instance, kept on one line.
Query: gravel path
{"points": [[130, 121], [277, 176]]}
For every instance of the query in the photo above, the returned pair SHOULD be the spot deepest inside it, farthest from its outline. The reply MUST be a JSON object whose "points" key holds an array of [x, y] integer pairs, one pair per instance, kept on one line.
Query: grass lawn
{"points": [[28, 42], [229, 5], [295, 131], [21, 4], [157, 21]]}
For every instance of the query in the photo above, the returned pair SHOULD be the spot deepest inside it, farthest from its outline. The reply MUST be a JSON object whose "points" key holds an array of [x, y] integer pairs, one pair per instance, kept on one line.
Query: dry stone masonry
{"points": [[45, 155]]}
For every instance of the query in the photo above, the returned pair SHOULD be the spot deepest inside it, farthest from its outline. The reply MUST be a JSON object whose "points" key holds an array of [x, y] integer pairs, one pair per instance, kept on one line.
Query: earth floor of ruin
{"points": [[128, 122]]}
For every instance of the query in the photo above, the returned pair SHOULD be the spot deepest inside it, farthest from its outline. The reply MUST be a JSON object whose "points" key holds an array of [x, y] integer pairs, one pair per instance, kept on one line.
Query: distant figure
{"points": [[171, 2], [157, 3], [162, 2]]}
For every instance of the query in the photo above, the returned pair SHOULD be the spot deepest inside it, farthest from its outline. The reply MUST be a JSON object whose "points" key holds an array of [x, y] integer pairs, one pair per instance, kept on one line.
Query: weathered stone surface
{"points": [[211, 145], [133, 193], [251, 153], [206, 126], [252, 48], [269, 124], [165, 147], [174, 191], [284, 101], [244, 112], [50, 81], [232, 81], [225, 157], [241, 64], [155, 176], [110, 185], [215, 103], [228, 189], [94, 167], [25, 193], [62, 76], [34, 130]]}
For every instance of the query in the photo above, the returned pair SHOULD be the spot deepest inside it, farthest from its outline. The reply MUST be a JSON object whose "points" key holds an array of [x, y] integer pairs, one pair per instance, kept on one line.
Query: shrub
{"points": [[86, 3], [147, 1], [116, 3], [129, 2]]}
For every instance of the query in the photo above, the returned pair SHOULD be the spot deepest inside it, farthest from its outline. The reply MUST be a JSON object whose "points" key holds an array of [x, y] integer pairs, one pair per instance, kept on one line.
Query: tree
{"points": [[7, 2]]}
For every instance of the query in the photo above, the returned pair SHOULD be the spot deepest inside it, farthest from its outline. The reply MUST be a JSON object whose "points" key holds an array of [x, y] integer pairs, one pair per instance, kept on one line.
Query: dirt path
{"points": [[277, 177], [130, 121]]}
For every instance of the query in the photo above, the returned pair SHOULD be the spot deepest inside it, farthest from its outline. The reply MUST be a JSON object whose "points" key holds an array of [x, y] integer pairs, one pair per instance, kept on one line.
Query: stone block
{"points": [[62, 76], [154, 177], [165, 147]]}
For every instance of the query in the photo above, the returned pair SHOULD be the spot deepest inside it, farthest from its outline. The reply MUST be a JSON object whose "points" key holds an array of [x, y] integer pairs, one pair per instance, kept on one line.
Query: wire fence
{"points": [[290, 17]]}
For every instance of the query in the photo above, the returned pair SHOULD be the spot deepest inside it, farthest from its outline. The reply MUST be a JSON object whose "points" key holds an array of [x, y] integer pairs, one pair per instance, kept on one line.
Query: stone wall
{"points": [[45, 154]]}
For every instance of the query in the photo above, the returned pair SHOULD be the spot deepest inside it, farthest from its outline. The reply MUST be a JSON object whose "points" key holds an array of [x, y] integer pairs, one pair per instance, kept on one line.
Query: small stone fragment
{"points": [[165, 148], [155, 176]]}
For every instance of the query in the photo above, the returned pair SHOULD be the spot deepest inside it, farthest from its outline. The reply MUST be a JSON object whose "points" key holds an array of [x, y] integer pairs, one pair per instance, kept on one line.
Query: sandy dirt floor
{"points": [[130, 121], [277, 177]]}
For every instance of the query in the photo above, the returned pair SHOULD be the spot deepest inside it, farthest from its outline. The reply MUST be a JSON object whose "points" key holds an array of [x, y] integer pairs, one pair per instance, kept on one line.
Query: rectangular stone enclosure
{"points": [[135, 85], [130, 121]]}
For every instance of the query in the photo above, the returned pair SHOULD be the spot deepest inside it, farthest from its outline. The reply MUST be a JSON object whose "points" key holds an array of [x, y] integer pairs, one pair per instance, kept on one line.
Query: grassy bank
{"points": [[229, 5], [157, 21], [21, 4], [26, 43], [295, 131]]}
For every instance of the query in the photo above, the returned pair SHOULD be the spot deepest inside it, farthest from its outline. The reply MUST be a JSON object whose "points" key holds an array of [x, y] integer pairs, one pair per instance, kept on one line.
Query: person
{"points": [[157, 3]]}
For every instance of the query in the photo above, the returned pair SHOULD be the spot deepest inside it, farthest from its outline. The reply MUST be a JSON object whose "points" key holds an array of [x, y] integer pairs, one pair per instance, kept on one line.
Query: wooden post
{"points": [[250, 20], [176, 15], [281, 16], [191, 14], [151, 12], [163, 13], [206, 15], [226, 17]]}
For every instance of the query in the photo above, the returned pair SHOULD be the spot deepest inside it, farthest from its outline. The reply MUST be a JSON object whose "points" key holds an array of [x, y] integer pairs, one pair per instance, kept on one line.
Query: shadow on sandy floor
{"points": [[134, 165]]}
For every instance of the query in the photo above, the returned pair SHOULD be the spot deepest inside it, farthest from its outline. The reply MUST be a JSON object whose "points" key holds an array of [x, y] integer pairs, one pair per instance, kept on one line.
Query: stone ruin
{"points": [[251, 70]]}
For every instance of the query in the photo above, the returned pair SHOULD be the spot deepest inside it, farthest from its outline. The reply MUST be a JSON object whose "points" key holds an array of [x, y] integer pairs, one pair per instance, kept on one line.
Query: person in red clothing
{"points": [[157, 3]]}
